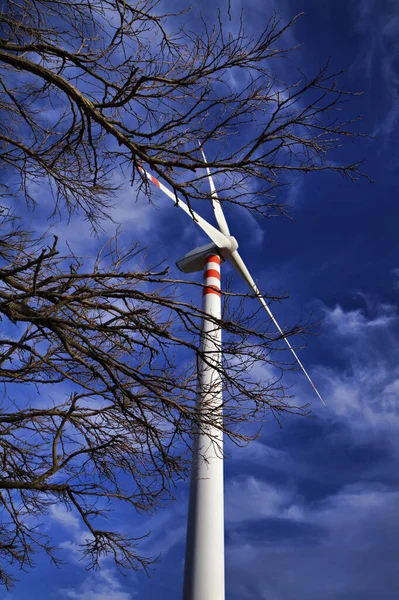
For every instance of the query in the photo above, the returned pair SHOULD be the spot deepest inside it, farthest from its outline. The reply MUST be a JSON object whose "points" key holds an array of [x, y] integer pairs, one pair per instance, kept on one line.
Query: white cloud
{"points": [[295, 190], [341, 513], [353, 322], [337, 535], [365, 399], [251, 499], [102, 585], [249, 224], [64, 517], [346, 513], [168, 529], [363, 392], [379, 54], [78, 534], [258, 452]]}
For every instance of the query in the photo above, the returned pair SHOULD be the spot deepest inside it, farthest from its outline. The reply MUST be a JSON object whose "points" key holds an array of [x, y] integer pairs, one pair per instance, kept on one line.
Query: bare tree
{"points": [[85, 87], [122, 429]]}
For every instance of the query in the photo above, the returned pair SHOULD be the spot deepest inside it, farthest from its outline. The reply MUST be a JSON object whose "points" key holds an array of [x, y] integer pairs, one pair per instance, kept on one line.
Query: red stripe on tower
{"points": [[212, 258], [211, 274], [211, 290]]}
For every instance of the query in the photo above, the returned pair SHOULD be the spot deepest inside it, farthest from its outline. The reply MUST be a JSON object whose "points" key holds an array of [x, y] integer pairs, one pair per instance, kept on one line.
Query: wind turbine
{"points": [[204, 562]]}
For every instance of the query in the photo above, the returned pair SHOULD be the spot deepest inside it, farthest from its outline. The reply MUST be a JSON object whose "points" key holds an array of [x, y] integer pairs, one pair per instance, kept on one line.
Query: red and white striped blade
{"points": [[239, 265], [214, 234], [217, 208]]}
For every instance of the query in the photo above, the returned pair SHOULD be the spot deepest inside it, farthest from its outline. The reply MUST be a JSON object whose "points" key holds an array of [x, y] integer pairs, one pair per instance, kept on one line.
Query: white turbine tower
{"points": [[204, 563]]}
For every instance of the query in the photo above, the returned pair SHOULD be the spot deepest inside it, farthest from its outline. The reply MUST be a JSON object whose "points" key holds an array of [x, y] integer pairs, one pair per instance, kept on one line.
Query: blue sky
{"points": [[311, 508]]}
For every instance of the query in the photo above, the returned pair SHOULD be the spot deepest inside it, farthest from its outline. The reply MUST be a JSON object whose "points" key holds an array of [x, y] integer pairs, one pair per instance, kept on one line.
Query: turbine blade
{"points": [[239, 265], [217, 207], [218, 238]]}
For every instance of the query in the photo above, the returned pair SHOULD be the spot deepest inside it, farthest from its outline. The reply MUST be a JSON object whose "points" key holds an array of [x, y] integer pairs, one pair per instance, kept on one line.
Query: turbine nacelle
{"points": [[193, 261]]}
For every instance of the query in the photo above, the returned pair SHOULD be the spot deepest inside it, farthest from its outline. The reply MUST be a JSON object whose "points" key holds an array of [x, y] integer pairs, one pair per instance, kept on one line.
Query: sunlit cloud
{"points": [[102, 585]]}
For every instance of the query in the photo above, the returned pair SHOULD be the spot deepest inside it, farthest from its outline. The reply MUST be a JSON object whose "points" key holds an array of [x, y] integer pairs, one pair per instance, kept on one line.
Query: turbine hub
{"points": [[229, 248], [233, 243]]}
